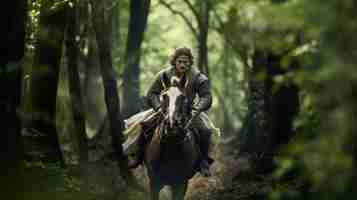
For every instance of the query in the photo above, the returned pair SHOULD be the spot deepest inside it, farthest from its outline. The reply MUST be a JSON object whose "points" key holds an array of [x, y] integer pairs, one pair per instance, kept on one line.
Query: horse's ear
{"points": [[175, 81]]}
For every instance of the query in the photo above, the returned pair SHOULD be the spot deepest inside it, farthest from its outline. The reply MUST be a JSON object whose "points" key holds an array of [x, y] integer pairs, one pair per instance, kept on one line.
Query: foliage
{"points": [[325, 147], [51, 179], [319, 34]]}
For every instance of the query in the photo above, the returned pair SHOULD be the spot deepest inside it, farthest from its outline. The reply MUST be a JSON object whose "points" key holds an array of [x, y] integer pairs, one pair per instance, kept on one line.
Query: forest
{"points": [[281, 74]]}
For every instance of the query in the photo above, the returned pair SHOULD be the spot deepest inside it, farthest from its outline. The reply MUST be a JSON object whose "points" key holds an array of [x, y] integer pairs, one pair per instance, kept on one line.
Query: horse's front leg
{"points": [[154, 190], [179, 191]]}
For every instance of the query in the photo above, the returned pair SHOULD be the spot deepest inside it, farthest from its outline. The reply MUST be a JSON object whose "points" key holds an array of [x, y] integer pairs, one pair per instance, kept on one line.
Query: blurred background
{"points": [[283, 80]]}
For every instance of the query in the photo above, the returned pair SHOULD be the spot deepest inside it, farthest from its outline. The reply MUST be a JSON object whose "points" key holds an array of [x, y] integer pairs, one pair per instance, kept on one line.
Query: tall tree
{"points": [[12, 36], [115, 18], [201, 12], [271, 105], [139, 11], [75, 91], [271, 109], [44, 76], [203, 25], [255, 133], [116, 124]]}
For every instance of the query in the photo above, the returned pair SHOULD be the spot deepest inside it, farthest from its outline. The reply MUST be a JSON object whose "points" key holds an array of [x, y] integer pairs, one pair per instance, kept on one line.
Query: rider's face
{"points": [[182, 63]]}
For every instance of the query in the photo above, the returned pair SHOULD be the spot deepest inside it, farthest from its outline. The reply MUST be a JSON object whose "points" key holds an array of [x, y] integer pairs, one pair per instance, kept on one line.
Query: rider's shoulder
{"points": [[203, 77], [200, 77], [164, 71]]}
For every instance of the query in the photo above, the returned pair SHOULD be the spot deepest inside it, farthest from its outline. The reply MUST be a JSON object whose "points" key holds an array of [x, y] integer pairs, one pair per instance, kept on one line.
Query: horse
{"points": [[172, 155]]}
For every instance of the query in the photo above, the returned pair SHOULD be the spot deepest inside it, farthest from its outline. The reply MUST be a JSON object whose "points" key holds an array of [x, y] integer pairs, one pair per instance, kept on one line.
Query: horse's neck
{"points": [[172, 145]]}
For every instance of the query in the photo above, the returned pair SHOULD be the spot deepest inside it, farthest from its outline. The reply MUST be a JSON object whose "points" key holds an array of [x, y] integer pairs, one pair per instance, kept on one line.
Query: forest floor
{"points": [[233, 180]]}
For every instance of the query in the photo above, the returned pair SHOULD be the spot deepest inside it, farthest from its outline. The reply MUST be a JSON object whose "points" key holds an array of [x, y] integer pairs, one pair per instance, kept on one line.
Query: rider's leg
{"points": [[204, 140], [204, 144], [144, 137], [139, 157]]}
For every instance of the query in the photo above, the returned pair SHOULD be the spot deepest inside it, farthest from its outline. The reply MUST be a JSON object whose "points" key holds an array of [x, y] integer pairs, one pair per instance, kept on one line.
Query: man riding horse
{"points": [[193, 83]]}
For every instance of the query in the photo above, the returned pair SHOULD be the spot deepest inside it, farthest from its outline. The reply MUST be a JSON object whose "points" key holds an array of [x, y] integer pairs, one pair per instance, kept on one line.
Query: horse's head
{"points": [[175, 105]]}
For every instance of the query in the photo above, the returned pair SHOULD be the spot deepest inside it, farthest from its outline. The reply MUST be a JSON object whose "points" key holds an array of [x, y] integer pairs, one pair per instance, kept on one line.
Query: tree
{"points": [[203, 24], [12, 36], [139, 11], [116, 123], [271, 109], [269, 67], [201, 12], [44, 78], [75, 90]]}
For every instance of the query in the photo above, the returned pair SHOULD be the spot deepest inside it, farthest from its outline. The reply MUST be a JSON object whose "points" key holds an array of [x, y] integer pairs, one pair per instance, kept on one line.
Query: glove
{"points": [[195, 114], [156, 105]]}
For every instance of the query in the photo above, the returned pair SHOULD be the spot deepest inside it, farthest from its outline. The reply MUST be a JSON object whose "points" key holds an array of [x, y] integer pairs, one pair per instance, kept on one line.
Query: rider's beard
{"points": [[182, 69]]}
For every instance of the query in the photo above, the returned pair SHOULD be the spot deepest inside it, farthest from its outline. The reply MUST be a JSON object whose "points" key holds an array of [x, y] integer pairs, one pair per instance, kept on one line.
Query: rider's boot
{"points": [[205, 160], [139, 158]]}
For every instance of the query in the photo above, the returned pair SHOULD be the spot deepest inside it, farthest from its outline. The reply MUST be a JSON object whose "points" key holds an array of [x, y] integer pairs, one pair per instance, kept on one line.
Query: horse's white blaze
{"points": [[172, 93]]}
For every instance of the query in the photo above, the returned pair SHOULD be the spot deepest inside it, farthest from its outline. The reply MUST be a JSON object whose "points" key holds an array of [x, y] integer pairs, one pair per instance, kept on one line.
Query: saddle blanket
{"points": [[133, 128]]}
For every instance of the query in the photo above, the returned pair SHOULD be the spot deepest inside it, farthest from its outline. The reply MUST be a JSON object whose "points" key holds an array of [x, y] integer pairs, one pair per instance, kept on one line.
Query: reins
{"points": [[161, 125], [163, 133]]}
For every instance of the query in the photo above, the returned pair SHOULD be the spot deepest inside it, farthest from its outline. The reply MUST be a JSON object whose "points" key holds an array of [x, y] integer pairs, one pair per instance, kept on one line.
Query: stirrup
{"points": [[204, 169]]}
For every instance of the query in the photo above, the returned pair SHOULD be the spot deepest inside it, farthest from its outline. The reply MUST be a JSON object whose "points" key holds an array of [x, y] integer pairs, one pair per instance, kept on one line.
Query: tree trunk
{"points": [[44, 81], [76, 98], [12, 36], [284, 101], [115, 16], [115, 119], [226, 91], [269, 122], [202, 38], [93, 88], [139, 10], [254, 135]]}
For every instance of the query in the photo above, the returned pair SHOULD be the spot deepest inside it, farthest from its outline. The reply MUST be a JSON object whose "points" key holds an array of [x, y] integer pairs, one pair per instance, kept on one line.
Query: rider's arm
{"points": [[153, 94], [204, 92]]}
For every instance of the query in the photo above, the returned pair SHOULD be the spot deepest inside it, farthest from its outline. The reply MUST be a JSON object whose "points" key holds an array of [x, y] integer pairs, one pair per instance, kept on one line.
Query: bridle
{"points": [[170, 127]]}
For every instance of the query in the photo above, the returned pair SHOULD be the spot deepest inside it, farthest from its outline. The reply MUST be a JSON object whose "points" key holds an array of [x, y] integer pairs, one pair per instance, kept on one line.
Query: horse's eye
{"points": [[164, 97]]}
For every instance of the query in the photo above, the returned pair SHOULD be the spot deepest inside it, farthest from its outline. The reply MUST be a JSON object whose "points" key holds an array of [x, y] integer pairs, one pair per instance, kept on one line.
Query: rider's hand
{"points": [[157, 107], [195, 111]]}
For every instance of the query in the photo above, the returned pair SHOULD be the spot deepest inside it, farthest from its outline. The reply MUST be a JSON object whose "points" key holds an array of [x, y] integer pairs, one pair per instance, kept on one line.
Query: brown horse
{"points": [[172, 155]]}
